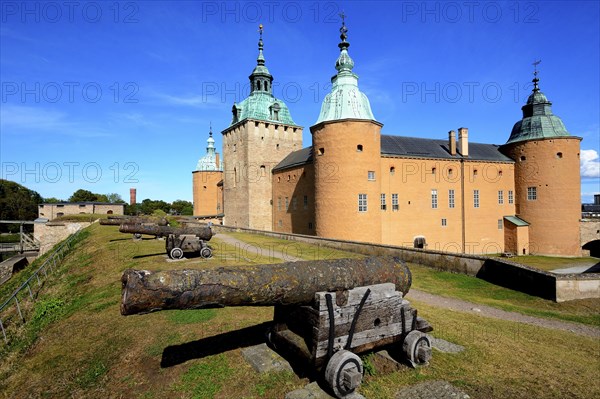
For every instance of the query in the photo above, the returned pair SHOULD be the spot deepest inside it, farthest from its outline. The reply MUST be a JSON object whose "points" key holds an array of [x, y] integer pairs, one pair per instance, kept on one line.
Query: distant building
{"points": [[207, 183], [58, 209], [591, 210], [355, 183]]}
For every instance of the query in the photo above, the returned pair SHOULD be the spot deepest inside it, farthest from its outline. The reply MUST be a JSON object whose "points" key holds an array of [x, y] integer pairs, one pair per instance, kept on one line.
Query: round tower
{"points": [[205, 179], [547, 177], [347, 159]]}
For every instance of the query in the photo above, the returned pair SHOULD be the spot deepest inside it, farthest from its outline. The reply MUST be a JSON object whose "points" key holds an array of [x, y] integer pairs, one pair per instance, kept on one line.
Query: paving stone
{"points": [[314, 391], [263, 359], [432, 390], [445, 346]]}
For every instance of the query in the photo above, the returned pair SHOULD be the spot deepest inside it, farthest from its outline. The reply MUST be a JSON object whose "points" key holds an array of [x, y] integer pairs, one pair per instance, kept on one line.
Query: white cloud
{"points": [[590, 164]]}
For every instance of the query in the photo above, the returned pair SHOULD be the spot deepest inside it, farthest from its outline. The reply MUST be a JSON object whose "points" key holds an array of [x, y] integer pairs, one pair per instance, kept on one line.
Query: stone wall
{"points": [[497, 271], [49, 234]]}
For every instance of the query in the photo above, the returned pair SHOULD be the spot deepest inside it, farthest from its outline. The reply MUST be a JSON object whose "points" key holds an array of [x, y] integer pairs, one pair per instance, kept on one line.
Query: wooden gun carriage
{"points": [[326, 312]]}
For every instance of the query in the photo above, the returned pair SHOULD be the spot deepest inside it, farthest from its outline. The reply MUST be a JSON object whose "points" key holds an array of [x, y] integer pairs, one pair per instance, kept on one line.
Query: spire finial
{"points": [[343, 29], [535, 73], [261, 59], [210, 129]]}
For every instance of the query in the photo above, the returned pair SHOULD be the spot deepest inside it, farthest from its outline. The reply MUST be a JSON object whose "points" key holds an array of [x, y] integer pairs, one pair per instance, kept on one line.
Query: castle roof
{"points": [[538, 120], [409, 147], [261, 104], [345, 101]]}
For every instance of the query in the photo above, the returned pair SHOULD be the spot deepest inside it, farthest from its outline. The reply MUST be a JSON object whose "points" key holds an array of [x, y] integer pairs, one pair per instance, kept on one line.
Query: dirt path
{"points": [[488, 311], [256, 249]]}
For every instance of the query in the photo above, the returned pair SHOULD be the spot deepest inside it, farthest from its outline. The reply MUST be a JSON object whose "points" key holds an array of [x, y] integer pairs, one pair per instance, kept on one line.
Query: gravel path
{"points": [[488, 311], [256, 248]]}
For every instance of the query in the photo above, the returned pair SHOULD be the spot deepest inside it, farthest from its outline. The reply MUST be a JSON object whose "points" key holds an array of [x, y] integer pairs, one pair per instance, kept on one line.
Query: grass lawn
{"points": [[76, 343], [549, 263]]}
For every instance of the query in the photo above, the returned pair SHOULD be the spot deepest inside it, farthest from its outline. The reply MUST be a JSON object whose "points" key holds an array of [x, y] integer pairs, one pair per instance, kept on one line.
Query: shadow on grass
{"points": [[249, 336], [131, 239], [149, 255]]}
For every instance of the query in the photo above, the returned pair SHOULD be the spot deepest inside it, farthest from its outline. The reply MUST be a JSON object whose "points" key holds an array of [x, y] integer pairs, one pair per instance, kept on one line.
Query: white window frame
{"points": [[362, 202], [434, 199], [475, 198], [531, 193], [451, 203], [383, 203], [500, 197], [511, 197], [395, 204]]}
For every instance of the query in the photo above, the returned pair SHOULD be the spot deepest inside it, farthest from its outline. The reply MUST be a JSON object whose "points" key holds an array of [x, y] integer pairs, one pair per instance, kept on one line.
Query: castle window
{"points": [[255, 124], [321, 151], [234, 147], [500, 224], [531, 193], [500, 197], [263, 170], [450, 172], [475, 198], [475, 172], [275, 111], [306, 202], [392, 170], [294, 203], [433, 171], [383, 204], [289, 177], [287, 204], [280, 223], [359, 148], [500, 172], [444, 222], [279, 203], [362, 202], [419, 242], [559, 155], [511, 198], [278, 179], [450, 198], [523, 157], [371, 175], [310, 225], [434, 199], [277, 147], [395, 205]]}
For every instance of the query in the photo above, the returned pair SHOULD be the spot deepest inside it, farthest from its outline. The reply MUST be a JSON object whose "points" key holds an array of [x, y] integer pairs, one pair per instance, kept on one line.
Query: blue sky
{"points": [[111, 95]]}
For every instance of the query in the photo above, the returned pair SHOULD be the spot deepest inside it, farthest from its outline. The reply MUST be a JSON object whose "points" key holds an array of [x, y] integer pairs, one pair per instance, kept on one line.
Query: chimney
{"points": [[132, 195], [217, 161], [452, 142], [463, 141]]}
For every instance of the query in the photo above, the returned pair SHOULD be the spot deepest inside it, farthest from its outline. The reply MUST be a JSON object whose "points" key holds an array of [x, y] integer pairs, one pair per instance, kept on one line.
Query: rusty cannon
{"points": [[325, 312], [179, 241], [119, 220]]}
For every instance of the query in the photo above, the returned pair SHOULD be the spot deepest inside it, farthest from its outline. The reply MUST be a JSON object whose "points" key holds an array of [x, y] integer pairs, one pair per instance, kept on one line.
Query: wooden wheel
{"points": [[344, 373]]}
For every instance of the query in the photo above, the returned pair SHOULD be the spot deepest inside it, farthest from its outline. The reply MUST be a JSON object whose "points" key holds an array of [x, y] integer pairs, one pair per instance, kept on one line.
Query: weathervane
{"points": [[535, 73], [260, 29], [343, 29]]}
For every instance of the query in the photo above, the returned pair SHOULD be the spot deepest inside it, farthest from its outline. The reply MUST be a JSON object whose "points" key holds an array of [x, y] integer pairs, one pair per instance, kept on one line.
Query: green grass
{"points": [[84, 348], [8, 238], [549, 263], [87, 217], [479, 291]]}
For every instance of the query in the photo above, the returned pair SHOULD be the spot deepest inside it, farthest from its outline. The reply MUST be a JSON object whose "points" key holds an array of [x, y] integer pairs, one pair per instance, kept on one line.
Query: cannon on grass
{"points": [[326, 312], [179, 241], [119, 220]]}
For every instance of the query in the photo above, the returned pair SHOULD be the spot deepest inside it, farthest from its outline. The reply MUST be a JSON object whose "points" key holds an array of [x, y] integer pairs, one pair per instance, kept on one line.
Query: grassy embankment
{"points": [[78, 345]]}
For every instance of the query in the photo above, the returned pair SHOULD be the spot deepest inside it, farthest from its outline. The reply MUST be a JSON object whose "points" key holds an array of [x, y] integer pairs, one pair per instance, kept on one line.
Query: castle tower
{"points": [[260, 135], [547, 177], [346, 153], [208, 199]]}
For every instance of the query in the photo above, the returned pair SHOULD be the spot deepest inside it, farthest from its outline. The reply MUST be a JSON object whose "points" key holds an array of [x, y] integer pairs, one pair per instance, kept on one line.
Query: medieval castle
{"points": [[355, 183]]}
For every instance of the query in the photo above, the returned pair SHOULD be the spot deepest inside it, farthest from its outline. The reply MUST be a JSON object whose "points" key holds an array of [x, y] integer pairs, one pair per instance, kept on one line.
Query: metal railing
{"points": [[48, 266]]}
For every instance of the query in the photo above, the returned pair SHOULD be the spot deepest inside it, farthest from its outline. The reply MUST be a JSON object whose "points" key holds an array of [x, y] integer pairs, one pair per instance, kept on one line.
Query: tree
{"points": [[182, 207], [82, 195], [52, 200], [114, 198], [17, 202], [148, 206]]}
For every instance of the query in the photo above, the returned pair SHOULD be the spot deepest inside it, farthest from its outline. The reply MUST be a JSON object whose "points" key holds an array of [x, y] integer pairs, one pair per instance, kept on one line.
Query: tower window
{"points": [[500, 197], [475, 172], [451, 198], [500, 224], [511, 198], [475, 198], [263, 170], [395, 205], [531, 193], [383, 204], [371, 175], [359, 148], [433, 170], [321, 151], [450, 172], [434, 199], [559, 155], [310, 225], [523, 157], [444, 222], [306, 202], [392, 170]]}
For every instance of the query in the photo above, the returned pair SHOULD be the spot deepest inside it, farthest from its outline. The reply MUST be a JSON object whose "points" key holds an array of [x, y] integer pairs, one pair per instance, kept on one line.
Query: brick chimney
{"points": [[132, 196], [463, 141], [452, 142]]}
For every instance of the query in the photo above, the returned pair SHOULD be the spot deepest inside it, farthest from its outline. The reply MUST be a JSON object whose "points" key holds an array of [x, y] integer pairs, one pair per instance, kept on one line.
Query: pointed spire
{"points": [[210, 147], [344, 63], [260, 79], [535, 78]]}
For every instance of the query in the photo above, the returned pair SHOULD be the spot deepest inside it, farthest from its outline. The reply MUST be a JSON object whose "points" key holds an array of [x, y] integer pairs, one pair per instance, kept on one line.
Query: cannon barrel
{"points": [[204, 233], [119, 220], [291, 283]]}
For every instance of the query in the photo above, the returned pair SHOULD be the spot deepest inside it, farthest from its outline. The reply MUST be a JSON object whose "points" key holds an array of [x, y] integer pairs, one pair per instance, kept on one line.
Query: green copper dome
{"points": [[538, 120], [209, 161], [261, 104], [345, 101]]}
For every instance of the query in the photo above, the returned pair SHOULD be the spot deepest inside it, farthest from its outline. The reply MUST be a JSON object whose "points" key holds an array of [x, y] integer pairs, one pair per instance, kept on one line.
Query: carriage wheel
{"points": [[344, 373], [176, 253], [417, 348], [206, 252]]}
